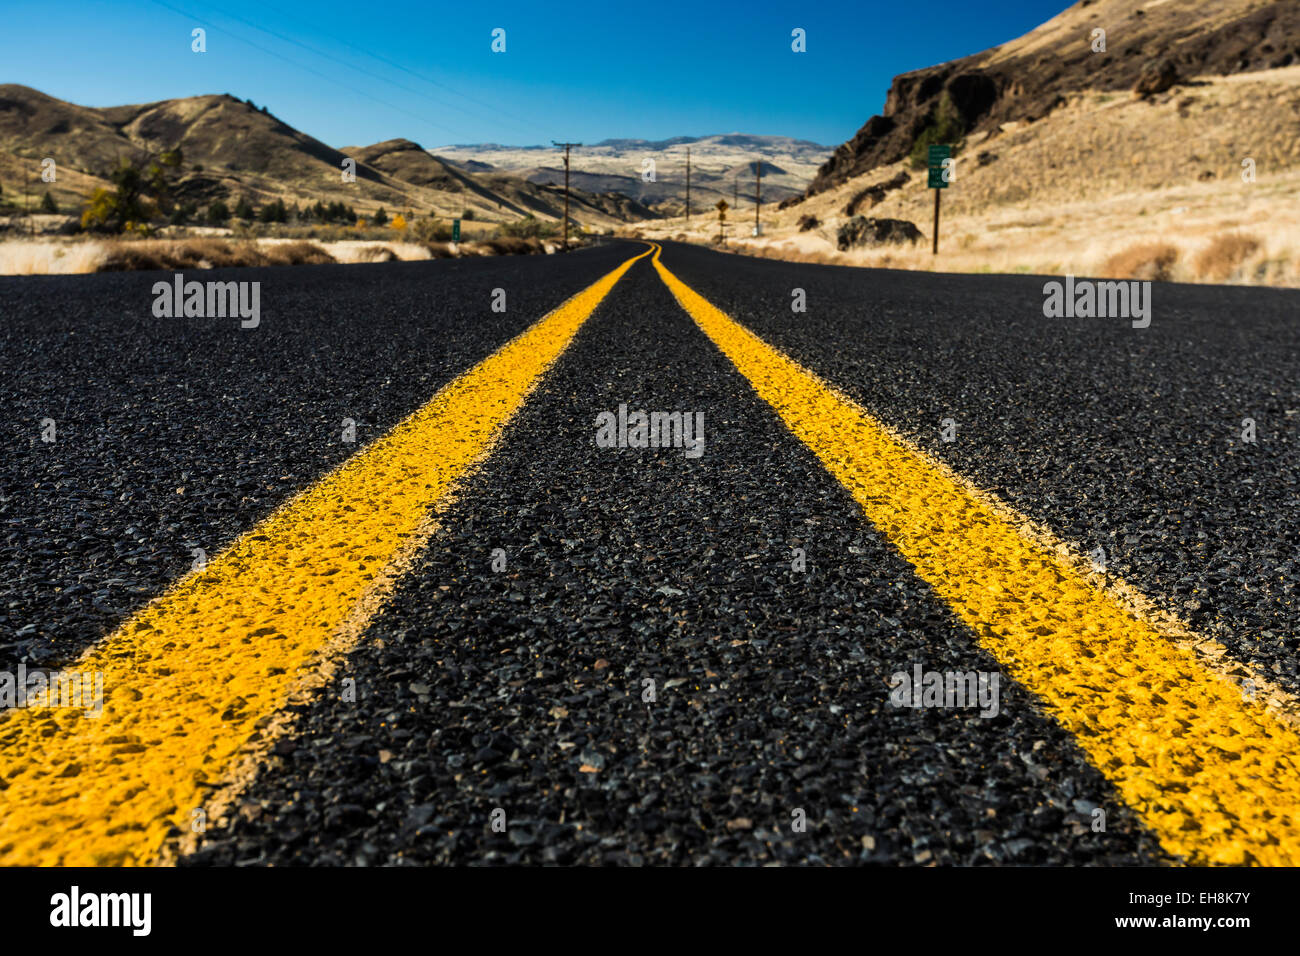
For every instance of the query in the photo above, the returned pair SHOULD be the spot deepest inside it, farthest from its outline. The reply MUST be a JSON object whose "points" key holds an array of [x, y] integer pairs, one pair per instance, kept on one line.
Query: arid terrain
{"points": [[1069, 169], [233, 149], [370, 502], [1150, 140], [720, 165]]}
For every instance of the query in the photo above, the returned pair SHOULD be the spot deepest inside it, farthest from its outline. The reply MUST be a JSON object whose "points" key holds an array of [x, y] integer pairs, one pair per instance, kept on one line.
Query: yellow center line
{"points": [[197, 674], [1215, 776]]}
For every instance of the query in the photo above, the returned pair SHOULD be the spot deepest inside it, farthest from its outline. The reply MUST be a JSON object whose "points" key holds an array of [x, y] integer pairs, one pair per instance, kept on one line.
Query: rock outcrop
{"points": [[1147, 49], [861, 231]]}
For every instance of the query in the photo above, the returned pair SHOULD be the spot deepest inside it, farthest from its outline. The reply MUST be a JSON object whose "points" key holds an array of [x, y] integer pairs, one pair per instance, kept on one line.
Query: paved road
{"points": [[175, 435], [640, 655]]}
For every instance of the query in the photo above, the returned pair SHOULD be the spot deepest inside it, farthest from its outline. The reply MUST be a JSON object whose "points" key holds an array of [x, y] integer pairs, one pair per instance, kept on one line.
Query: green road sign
{"points": [[935, 157], [455, 230]]}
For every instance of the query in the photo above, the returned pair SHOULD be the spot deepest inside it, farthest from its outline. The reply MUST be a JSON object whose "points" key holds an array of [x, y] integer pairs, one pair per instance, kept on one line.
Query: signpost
{"points": [[455, 230], [722, 217], [935, 159]]}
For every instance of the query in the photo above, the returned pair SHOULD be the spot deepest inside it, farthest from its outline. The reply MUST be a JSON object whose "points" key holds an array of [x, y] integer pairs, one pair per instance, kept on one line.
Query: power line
{"points": [[324, 76], [425, 79], [377, 76]]}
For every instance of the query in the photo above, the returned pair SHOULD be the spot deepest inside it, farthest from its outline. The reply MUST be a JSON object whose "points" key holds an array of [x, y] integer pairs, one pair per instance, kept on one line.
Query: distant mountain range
{"points": [[722, 165]]}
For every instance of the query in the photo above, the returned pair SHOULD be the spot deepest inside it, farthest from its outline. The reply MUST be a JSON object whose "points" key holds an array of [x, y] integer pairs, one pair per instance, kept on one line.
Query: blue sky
{"points": [[353, 73]]}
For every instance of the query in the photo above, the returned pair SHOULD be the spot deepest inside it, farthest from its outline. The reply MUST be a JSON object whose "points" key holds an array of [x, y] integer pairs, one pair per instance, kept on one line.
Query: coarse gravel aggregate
{"points": [[1123, 439], [179, 434], [522, 693]]}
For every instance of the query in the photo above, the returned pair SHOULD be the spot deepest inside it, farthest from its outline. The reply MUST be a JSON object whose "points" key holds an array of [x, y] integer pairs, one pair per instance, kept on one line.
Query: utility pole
{"points": [[758, 192], [566, 190], [688, 184], [735, 192]]}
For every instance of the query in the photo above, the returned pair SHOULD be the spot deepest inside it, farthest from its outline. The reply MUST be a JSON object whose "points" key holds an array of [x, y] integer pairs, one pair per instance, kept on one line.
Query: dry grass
{"points": [[1058, 246], [295, 254], [1080, 190], [376, 254], [1146, 260], [513, 246], [126, 255], [24, 258], [1225, 254], [363, 250], [61, 257]]}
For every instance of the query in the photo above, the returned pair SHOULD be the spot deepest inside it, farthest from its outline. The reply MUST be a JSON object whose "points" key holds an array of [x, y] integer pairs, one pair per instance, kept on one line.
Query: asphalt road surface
{"points": [[477, 634]]}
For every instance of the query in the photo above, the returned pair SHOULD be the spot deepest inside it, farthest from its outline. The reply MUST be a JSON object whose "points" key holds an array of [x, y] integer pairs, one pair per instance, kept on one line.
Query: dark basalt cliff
{"points": [[1025, 80]]}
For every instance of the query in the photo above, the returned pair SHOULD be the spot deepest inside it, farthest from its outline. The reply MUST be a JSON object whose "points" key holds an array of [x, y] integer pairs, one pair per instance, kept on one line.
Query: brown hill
{"points": [[510, 193], [232, 149], [410, 163]]}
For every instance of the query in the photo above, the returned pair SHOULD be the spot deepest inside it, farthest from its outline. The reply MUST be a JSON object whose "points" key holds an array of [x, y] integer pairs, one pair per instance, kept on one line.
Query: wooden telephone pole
{"points": [[688, 184], [758, 193], [566, 190]]}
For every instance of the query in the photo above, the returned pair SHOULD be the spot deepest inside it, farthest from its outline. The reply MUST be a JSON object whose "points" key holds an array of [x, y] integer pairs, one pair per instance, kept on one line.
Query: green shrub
{"points": [[430, 230], [944, 126], [529, 228], [128, 206]]}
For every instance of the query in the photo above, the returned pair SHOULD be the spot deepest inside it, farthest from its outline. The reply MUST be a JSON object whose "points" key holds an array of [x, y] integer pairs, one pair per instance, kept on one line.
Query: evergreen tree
{"points": [[274, 211]]}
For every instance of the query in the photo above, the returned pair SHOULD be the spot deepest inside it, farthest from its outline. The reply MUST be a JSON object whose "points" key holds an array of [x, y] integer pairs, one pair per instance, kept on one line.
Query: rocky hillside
{"points": [[234, 149], [1148, 47]]}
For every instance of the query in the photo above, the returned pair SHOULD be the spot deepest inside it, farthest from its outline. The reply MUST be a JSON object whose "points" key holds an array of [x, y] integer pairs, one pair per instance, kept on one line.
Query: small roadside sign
{"points": [[936, 156], [455, 230], [935, 160]]}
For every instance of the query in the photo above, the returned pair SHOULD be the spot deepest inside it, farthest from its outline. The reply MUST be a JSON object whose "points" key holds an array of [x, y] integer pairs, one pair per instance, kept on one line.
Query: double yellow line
{"points": [[197, 682], [1213, 773], [193, 682]]}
